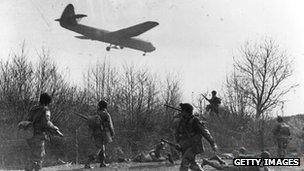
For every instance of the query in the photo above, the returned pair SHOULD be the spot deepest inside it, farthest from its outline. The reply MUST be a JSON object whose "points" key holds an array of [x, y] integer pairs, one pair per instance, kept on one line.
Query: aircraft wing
{"points": [[82, 37], [133, 30]]}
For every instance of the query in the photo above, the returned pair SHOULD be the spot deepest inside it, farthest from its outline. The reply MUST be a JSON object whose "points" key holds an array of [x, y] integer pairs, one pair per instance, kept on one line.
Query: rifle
{"points": [[171, 107], [82, 116], [176, 146], [206, 98]]}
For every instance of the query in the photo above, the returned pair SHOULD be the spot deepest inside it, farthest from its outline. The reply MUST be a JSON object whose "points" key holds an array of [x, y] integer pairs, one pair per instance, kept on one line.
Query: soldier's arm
{"points": [[209, 100], [219, 101], [30, 115], [276, 130], [49, 126], [110, 125], [46, 121], [202, 129], [289, 133]]}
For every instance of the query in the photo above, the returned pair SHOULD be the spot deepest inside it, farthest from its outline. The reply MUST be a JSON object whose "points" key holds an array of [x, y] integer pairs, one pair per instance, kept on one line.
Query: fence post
{"points": [[2, 156], [76, 146]]}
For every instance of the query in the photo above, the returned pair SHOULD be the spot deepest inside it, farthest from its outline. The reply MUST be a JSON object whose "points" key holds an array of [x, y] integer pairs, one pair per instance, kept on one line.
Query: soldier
{"points": [[302, 138], [119, 155], [281, 134], [39, 117], [102, 132], [214, 103], [189, 136], [158, 152], [142, 157]]}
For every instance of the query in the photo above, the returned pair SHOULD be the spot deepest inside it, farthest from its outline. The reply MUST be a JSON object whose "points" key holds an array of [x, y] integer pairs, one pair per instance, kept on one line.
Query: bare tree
{"points": [[260, 81], [237, 99], [263, 70]]}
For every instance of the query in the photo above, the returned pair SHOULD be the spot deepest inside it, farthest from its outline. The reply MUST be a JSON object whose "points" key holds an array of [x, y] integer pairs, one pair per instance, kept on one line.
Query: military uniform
{"points": [[159, 154], [281, 134], [189, 136], [156, 153], [102, 133], [302, 140], [40, 117], [214, 104]]}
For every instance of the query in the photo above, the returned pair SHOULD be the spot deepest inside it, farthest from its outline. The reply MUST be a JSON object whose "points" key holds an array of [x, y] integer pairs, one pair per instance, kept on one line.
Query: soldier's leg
{"points": [[184, 161], [90, 159], [37, 147], [212, 164], [217, 158], [152, 155], [285, 144], [102, 156], [188, 161], [169, 158], [280, 149], [193, 165]]}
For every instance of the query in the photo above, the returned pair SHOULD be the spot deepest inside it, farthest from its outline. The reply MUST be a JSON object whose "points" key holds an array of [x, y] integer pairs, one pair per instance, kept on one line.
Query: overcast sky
{"points": [[196, 39]]}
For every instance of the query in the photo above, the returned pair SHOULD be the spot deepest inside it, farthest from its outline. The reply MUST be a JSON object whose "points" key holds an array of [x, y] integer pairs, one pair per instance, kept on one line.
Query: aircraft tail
{"points": [[69, 17]]}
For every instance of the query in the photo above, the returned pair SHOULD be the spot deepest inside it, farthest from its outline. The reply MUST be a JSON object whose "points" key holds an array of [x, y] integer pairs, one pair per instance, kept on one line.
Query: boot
{"points": [[103, 164], [87, 164], [217, 158], [170, 159], [102, 157], [36, 166]]}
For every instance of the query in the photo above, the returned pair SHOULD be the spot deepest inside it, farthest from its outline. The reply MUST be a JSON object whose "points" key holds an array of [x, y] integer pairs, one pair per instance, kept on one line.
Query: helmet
{"points": [[213, 92], [45, 99], [265, 154], [279, 119], [186, 107], [242, 150], [235, 153], [102, 104]]}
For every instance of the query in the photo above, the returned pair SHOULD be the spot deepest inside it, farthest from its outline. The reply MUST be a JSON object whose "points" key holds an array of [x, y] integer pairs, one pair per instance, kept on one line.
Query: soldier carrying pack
{"points": [[40, 121], [281, 134], [102, 129]]}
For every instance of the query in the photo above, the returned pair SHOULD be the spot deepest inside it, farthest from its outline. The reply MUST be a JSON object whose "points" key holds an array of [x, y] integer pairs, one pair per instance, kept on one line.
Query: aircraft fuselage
{"points": [[104, 36]]}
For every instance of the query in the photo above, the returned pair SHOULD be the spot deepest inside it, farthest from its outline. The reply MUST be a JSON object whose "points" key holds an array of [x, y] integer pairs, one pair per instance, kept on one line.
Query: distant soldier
{"points": [[159, 153], [302, 138], [281, 134], [142, 157], [189, 136], [118, 155], [40, 120], [214, 103], [156, 153], [102, 132]]}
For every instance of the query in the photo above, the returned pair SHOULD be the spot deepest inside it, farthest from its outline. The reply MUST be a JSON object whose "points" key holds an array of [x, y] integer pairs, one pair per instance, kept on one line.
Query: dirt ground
{"points": [[152, 166]]}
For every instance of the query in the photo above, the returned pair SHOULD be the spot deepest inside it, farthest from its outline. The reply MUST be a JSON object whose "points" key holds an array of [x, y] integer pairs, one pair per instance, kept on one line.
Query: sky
{"points": [[195, 39]]}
